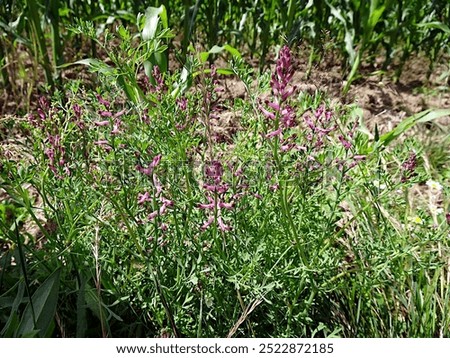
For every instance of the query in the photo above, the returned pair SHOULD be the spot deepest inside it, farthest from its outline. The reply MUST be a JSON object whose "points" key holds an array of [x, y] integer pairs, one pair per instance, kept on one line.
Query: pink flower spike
{"points": [[102, 123]]}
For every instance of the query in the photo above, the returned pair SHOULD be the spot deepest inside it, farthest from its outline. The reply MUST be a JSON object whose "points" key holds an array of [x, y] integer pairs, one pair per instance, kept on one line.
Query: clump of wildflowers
{"points": [[157, 198], [215, 191], [320, 128], [55, 153], [283, 114]]}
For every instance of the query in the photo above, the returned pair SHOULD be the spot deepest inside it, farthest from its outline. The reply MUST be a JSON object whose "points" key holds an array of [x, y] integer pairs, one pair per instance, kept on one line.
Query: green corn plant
{"points": [[38, 37], [150, 51], [57, 46], [190, 15], [359, 24]]}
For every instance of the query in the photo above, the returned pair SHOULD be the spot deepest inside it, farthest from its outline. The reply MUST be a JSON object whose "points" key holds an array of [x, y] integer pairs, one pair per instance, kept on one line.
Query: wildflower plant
{"points": [[148, 224]]}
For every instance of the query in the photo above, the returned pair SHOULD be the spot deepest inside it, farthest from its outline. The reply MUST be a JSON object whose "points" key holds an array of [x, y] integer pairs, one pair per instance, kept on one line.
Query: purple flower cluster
{"points": [[55, 153], [320, 128], [47, 122], [409, 167], [215, 190], [44, 112], [159, 85], [279, 111], [157, 197]]}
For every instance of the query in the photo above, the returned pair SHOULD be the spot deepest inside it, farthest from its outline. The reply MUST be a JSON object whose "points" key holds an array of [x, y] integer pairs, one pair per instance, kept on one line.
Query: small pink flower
{"points": [[155, 161], [142, 198], [266, 113], [222, 226], [223, 205], [102, 123], [77, 110], [182, 103], [116, 127], [274, 133], [274, 187], [274, 105], [120, 114], [346, 144], [207, 223], [153, 215], [105, 113], [168, 203], [102, 101], [210, 205]]}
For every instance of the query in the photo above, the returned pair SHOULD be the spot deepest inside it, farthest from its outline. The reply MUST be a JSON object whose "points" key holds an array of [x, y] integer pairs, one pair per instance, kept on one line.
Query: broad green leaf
{"points": [[218, 49], [375, 15], [44, 302], [436, 25], [152, 17], [337, 14], [422, 117], [81, 309], [13, 320], [94, 65]]}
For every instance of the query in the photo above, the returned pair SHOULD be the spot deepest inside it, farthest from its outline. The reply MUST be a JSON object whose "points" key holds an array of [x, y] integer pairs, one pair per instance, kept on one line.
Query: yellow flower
{"points": [[416, 220]]}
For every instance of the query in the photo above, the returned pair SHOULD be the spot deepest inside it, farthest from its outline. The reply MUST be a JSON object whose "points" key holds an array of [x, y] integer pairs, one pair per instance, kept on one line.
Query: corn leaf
{"points": [[422, 117], [44, 302]]}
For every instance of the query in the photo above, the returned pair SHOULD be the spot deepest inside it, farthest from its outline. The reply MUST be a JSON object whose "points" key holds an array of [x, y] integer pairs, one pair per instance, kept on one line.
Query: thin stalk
{"points": [[24, 270]]}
